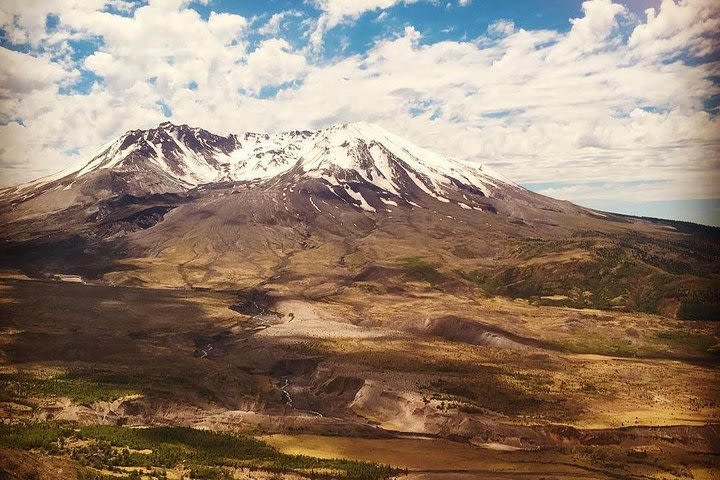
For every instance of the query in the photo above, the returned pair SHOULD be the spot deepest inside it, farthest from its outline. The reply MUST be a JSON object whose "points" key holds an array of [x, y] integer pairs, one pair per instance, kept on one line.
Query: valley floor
{"points": [[252, 384]]}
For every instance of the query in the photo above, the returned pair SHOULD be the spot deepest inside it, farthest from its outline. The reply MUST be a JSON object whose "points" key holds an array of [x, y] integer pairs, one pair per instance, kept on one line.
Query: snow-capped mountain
{"points": [[195, 156], [173, 158]]}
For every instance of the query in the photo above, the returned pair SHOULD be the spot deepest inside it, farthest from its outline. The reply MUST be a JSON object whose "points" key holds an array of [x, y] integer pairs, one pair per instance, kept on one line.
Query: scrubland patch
{"points": [[20, 387], [210, 454]]}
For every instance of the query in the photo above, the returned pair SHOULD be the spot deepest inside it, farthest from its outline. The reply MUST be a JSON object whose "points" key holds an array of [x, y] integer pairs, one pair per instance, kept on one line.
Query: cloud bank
{"points": [[613, 106]]}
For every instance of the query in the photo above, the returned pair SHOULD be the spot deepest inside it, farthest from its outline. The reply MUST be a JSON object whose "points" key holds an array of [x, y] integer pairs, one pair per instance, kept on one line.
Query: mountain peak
{"points": [[358, 129], [359, 125], [168, 124], [175, 157]]}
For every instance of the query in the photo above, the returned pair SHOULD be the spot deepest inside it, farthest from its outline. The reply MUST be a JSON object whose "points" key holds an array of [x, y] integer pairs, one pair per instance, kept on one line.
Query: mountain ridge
{"points": [[315, 212], [176, 158]]}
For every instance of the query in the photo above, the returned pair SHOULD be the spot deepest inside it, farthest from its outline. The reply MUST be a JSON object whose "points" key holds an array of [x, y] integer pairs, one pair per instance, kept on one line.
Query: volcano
{"points": [[177, 206]]}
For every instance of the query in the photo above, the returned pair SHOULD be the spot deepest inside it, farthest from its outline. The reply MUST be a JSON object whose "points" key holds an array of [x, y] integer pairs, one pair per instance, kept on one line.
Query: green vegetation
{"points": [[700, 305], [418, 269], [209, 473], [85, 392], [510, 395], [595, 343], [88, 474], [106, 383], [686, 341], [171, 445], [42, 436], [476, 276], [652, 345], [633, 274], [615, 457], [698, 311], [209, 455], [483, 279], [622, 277], [391, 359]]}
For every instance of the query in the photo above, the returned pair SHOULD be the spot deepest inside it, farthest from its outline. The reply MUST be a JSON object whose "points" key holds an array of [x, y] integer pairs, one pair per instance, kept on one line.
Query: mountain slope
{"points": [[313, 212]]}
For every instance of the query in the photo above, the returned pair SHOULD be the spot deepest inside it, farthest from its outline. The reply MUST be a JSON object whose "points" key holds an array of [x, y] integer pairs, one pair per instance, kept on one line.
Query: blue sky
{"points": [[612, 105]]}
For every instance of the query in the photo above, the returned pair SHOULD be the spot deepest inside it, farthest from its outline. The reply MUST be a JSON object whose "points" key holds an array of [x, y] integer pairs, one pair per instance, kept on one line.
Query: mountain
{"points": [[314, 211], [172, 158]]}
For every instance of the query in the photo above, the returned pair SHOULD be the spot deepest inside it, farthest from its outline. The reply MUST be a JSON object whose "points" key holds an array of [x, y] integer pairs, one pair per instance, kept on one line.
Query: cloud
{"points": [[692, 26], [335, 12], [614, 106], [590, 32], [22, 74], [501, 27], [272, 63], [273, 26], [227, 27], [24, 21]]}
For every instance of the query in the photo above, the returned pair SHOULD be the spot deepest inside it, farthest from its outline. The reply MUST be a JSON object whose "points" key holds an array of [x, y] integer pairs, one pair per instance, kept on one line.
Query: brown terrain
{"points": [[527, 338]]}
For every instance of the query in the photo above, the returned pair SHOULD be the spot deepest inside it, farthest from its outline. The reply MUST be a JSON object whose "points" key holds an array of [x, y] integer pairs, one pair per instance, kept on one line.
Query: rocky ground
{"points": [[514, 387]]}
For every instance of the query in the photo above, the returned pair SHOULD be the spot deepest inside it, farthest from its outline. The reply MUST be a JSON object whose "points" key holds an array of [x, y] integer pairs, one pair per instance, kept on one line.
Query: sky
{"points": [[611, 105]]}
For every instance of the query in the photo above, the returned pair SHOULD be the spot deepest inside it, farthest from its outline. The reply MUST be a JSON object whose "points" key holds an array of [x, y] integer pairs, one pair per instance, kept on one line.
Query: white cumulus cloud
{"points": [[334, 12], [613, 107]]}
